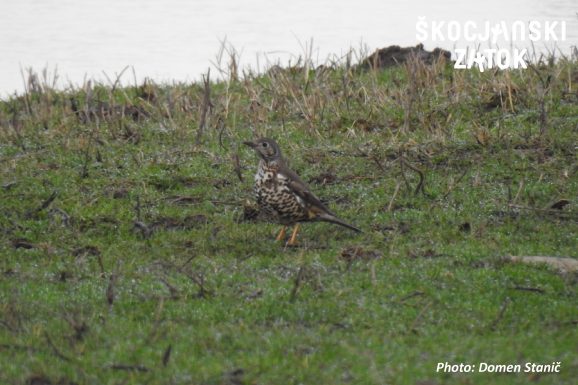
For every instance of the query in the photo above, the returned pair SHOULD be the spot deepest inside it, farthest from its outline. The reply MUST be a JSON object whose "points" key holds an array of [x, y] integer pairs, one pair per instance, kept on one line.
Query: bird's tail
{"points": [[333, 219]]}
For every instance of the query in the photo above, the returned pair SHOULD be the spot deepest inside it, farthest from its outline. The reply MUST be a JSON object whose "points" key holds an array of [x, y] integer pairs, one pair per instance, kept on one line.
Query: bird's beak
{"points": [[250, 144]]}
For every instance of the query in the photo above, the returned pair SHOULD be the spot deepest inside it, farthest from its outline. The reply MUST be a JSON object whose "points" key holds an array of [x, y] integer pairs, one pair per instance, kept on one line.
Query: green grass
{"points": [[144, 268]]}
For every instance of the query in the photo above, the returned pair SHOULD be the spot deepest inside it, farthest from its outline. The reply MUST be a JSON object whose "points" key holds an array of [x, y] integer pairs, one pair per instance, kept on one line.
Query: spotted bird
{"points": [[282, 196]]}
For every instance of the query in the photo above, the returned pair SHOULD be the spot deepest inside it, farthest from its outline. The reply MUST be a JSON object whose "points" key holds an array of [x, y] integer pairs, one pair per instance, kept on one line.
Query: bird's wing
{"points": [[299, 187]]}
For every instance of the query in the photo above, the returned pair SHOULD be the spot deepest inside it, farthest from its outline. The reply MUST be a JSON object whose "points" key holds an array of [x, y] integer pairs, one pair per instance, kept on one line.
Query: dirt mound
{"points": [[396, 55]]}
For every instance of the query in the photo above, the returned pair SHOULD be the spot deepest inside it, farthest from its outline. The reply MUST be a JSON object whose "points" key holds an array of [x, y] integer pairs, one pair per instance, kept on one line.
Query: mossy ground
{"points": [[127, 255]]}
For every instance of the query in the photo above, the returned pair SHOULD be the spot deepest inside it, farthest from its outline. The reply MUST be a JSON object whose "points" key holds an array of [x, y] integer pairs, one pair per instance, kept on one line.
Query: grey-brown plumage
{"points": [[282, 196]]}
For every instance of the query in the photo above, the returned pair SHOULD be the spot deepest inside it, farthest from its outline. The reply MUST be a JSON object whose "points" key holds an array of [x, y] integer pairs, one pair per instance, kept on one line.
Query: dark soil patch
{"points": [[396, 55]]}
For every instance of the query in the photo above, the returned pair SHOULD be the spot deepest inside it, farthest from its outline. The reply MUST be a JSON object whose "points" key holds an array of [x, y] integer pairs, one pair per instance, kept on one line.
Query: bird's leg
{"points": [[281, 235], [293, 239]]}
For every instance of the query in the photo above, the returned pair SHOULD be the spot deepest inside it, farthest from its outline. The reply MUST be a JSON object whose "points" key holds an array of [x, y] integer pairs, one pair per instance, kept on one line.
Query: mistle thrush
{"points": [[282, 196]]}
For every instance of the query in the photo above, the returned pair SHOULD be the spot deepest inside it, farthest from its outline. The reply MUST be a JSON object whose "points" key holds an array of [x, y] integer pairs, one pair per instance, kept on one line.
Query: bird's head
{"points": [[267, 149]]}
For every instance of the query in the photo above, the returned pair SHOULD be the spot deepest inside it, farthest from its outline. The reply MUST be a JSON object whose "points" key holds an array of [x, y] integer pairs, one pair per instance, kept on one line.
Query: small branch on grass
{"points": [[531, 289], [390, 205], [16, 125], [554, 212], [167, 355], [145, 230], [100, 265], [156, 324], [420, 185], [18, 347], [297, 283], [226, 203], [206, 106], [221, 129], [377, 163], [137, 208], [545, 83], [199, 280], [401, 164], [180, 268], [411, 295], [116, 82], [26, 81], [520, 187], [43, 206], [130, 368], [453, 186], [64, 217], [84, 171], [500, 315], [417, 319], [237, 166], [174, 292], [110, 289], [372, 274], [55, 349]]}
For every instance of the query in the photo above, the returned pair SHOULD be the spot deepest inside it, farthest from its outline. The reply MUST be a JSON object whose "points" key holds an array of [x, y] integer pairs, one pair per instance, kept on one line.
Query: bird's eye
{"points": [[265, 144]]}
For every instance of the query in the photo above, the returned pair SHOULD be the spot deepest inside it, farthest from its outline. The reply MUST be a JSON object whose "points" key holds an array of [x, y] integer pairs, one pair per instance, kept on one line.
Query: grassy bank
{"points": [[129, 252]]}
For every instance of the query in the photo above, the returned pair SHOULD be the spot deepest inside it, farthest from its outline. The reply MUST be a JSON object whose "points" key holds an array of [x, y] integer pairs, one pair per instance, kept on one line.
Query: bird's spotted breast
{"points": [[282, 195], [275, 197]]}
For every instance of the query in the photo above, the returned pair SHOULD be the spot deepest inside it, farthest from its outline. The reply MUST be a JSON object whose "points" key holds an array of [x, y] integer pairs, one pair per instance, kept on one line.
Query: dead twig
{"points": [[390, 205], [554, 212], [18, 347], [453, 186], [401, 165], [44, 205], [64, 217], [500, 315], [180, 268], [377, 163], [237, 166], [145, 230], [55, 349], [89, 146], [100, 265], [199, 280], [129, 368], [110, 289], [297, 283], [542, 92], [520, 188], [413, 325], [420, 186], [116, 82], [411, 295], [137, 208], [174, 292], [531, 289], [206, 106], [167, 355]]}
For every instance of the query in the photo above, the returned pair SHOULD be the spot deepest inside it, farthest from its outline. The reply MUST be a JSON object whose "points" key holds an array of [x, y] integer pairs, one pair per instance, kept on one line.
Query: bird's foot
{"points": [[293, 240], [281, 235]]}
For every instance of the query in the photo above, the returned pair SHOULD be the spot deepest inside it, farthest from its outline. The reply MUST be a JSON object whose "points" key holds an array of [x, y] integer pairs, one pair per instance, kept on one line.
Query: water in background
{"points": [[177, 40]]}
